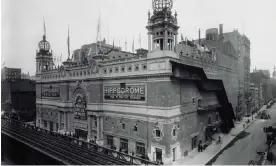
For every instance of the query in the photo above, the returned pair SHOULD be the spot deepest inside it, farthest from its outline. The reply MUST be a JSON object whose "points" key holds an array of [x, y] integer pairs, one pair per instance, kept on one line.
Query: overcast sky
{"points": [[22, 25]]}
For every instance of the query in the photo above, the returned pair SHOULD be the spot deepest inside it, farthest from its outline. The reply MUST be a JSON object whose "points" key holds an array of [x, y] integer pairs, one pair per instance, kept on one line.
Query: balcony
{"points": [[205, 109]]}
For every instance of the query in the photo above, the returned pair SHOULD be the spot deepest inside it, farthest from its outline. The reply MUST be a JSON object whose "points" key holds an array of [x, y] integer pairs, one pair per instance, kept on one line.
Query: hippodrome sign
{"points": [[130, 92]]}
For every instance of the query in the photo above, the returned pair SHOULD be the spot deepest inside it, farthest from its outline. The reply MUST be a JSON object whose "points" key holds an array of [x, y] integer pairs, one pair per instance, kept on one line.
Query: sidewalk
{"points": [[201, 158]]}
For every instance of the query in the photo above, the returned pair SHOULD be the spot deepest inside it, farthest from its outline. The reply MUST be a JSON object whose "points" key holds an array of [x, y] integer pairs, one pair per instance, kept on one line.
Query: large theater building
{"points": [[150, 103]]}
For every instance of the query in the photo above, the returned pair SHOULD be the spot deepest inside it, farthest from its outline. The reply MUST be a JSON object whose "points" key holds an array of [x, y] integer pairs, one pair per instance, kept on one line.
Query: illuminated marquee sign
{"points": [[130, 92], [50, 93]]}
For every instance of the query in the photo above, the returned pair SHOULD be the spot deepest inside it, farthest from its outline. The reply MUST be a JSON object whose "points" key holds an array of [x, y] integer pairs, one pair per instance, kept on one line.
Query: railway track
{"points": [[48, 149], [62, 152], [81, 150], [84, 153]]}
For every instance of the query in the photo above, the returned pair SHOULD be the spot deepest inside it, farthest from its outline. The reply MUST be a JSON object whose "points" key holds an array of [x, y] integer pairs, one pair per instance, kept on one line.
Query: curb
{"points": [[218, 153]]}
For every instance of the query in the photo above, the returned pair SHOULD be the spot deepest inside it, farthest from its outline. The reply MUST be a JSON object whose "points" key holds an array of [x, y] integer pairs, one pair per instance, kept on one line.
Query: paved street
{"points": [[245, 149]]}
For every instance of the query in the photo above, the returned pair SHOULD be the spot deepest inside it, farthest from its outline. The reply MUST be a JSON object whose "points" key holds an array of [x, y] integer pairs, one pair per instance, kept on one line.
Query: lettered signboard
{"points": [[127, 93]]}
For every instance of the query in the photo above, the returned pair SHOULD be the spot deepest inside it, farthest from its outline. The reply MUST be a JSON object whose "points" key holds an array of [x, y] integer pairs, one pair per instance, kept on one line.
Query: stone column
{"points": [[176, 41], [59, 120], [152, 43], [165, 39], [117, 143], [149, 41], [89, 123], [99, 131], [172, 45], [131, 147]]}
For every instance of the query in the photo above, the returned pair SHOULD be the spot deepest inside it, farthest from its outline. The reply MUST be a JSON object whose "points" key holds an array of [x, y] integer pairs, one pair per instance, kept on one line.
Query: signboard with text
{"points": [[127, 93], [80, 109], [51, 92]]}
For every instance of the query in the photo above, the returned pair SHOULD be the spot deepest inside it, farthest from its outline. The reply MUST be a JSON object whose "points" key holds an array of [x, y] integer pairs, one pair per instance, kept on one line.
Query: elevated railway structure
{"points": [[66, 149]]}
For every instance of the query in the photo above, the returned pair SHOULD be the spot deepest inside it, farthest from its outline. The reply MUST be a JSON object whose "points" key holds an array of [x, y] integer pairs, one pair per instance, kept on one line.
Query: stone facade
{"points": [[151, 104]]}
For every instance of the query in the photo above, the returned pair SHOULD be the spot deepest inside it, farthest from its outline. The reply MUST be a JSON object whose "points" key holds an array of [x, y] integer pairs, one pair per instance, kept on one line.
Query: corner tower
{"points": [[44, 57], [162, 26]]}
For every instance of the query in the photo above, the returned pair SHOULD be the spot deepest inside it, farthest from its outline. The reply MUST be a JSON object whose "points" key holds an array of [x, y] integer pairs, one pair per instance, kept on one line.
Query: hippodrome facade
{"points": [[161, 102]]}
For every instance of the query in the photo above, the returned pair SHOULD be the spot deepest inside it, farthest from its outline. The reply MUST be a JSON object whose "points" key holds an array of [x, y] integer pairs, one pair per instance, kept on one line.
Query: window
{"points": [[45, 124], [136, 68], [199, 102], [105, 71], [123, 69], [209, 120], [51, 114], [95, 121], [158, 133], [145, 67], [135, 128], [193, 100], [140, 148], [116, 69], [123, 126], [123, 85], [174, 132], [110, 70], [129, 68], [217, 117], [110, 140], [124, 144]]}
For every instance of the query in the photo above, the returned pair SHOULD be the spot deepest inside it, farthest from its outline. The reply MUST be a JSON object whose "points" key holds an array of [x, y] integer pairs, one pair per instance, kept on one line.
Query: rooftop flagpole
{"points": [[68, 43]]}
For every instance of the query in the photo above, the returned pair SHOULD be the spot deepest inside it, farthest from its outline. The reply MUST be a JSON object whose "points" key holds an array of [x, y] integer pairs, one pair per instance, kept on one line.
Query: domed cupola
{"points": [[44, 57], [162, 26], [44, 45]]}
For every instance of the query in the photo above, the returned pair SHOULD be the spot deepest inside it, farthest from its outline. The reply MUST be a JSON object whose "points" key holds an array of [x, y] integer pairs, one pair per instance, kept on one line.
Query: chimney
{"points": [[199, 39], [221, 31]]}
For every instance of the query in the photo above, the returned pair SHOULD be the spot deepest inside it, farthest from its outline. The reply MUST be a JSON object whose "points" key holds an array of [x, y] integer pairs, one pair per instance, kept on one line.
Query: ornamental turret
{"points": [[44, 56], [162, 26]]}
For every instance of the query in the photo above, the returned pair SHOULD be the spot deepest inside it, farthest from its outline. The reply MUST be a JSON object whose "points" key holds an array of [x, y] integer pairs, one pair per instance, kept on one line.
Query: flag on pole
{"points": [[68, 44], [133, 46], [98, 33]]}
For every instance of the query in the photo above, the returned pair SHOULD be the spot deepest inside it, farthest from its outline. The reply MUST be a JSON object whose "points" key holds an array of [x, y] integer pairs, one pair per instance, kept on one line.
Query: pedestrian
{"points": [[219, 140]]}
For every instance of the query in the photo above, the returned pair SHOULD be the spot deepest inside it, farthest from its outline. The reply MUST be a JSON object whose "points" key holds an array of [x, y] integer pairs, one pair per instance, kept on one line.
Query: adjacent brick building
{"points": [[10, 73], [19, 94]]}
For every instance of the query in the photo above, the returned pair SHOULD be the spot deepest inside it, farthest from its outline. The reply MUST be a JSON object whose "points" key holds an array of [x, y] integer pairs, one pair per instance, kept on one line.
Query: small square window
{"points": [[217, 117], [110, 70], [105, 71], [116, 69], [123, 69], [157, 133], [123, 85], [129, 68], [135, 128], [123, 126], [136, 67], [145, 67], [174, 132]]}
